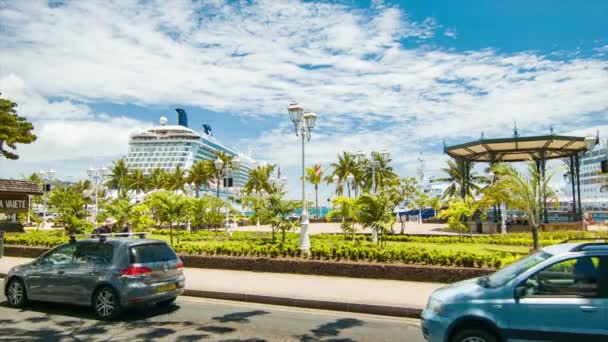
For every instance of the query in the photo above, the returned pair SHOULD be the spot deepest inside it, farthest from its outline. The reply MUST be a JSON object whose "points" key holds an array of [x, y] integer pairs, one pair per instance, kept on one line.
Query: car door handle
{"points": [[588, 308]]}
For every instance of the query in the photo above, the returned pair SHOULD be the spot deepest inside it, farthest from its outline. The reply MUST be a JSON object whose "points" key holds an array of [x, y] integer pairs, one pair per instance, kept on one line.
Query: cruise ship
{"points": [[169, 146], [594, 184]]}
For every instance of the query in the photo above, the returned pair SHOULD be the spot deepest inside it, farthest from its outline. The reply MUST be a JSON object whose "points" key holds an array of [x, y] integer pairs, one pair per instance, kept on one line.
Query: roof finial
{"points": [[515, 131], [482, 136], [551, 130]]}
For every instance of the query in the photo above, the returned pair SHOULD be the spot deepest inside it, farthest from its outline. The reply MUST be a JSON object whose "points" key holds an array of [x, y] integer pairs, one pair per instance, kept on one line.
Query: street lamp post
{"points": [[46, 175], [303, 124], [224, 170], [96, 176]]}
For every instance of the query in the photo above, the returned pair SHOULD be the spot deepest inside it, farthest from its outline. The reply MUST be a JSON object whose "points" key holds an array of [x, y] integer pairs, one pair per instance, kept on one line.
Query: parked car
{"points": [[557, 294], [109, 274]]}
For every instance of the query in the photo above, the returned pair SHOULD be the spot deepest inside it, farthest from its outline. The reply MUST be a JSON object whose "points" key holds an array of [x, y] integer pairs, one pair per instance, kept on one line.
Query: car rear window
{"points": [[152, 252]]}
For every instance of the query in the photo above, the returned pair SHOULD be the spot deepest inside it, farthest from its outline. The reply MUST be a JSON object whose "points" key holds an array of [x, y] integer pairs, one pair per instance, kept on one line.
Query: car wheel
{"points": [[474, 335], [167, 302], [15, 293], [106, 303]]}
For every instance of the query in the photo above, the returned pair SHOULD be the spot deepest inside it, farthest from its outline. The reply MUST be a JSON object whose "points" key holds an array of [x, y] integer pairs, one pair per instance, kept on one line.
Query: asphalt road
{"points": [[195, 319]]}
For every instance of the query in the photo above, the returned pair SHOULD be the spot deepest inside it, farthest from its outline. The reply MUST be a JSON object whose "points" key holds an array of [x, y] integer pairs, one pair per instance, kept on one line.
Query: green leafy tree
{"points": [[277, 213], [401, 190], [14, 129], [70, 204], [121, 209], [375, 212], [458, 209], [347, 209], [206, 212], [314, 176], [200, 174], [522, 192], [119, 174], [137, 181], [456, 172], [172, 209], [257, 204]]}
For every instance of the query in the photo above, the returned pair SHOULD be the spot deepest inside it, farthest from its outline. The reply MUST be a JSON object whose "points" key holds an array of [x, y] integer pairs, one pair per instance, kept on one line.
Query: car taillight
{"points": [[135, 271], [180, 264]]}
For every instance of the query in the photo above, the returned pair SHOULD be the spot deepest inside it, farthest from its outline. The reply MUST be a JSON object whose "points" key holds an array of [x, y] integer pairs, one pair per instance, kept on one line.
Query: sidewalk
{"points": [[385, 297]]}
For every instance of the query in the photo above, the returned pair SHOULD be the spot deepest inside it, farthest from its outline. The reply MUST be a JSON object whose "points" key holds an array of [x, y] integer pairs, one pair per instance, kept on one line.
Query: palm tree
{"points": [[259, 179], [277, 212], [461, 186], [314, 176], [345, 165], [523, 192], [176, 180], [346, 208], [374, 212], [137, 181], [382, 172], [118, 175], [200, 174], [158, 178]]}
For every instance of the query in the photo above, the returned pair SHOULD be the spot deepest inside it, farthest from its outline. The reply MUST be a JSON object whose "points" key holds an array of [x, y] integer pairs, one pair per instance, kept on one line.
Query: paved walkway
{"points": [[300, 289]]}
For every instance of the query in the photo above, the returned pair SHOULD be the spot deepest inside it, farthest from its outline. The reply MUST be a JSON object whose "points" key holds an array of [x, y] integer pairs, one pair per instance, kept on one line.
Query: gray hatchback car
{"points": [[107, 273]]}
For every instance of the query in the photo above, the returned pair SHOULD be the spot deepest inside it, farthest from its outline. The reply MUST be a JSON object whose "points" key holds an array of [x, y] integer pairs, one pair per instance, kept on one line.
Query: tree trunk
{"points": [[535, 237], [272, 229], [171, 232], [197, 190]]}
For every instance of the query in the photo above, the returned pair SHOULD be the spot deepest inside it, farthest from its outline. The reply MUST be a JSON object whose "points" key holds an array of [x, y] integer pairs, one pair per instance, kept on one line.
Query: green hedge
{"points": [[333, 246]]}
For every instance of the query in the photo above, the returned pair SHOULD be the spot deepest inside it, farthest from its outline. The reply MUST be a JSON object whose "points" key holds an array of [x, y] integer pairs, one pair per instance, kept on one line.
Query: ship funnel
{"points": [[182, 117]]}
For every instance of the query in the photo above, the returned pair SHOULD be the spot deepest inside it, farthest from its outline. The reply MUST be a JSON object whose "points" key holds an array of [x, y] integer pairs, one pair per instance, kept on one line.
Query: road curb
{"points": [[383, 310], [309, 303]]}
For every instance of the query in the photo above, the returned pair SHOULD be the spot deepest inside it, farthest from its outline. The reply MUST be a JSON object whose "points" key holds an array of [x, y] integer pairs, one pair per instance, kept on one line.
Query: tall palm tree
{"points": [[345, 165], [460, 186], [176, 180], [314, 176], [259, 179], [219, 175], [158, 178], [200, 174], [382, 172], [137, 181], [523, 192], [118, 175]]}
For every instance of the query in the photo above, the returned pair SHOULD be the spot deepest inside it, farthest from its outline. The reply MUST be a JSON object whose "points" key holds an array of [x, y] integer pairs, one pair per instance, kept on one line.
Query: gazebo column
{"points": [[543, 165], [573, 182], [539, 185], [578, 186]]}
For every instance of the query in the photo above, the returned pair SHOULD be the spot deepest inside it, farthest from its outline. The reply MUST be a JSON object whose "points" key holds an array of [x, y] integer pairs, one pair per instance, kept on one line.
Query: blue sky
{"points": [[396, 75]]}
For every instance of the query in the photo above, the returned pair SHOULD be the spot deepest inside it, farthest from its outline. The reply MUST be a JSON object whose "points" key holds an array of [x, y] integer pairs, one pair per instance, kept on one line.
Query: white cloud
{"points": [[349, 65]]}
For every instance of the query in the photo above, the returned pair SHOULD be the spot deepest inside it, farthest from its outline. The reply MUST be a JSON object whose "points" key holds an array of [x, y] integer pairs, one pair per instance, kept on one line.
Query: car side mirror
{"points": [[519, 293]]}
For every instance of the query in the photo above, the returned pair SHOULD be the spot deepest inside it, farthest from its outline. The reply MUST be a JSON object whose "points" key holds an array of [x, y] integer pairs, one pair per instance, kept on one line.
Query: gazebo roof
{"points": [[12, 186], [518, 148]]}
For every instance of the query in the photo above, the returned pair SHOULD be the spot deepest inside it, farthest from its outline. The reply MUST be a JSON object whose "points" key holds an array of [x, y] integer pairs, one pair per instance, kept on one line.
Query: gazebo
{"points": [[532, 148]]}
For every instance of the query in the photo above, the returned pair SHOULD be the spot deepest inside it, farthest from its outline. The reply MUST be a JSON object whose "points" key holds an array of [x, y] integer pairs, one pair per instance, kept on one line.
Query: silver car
{"points": [[109, 274]]}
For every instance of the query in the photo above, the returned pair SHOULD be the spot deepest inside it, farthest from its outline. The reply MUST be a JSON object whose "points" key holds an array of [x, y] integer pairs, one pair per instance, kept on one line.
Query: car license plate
{"points": [[165, 288]]}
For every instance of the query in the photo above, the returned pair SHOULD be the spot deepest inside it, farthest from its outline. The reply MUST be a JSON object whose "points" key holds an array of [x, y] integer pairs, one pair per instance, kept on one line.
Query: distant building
{"points": [[169, 146]]}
